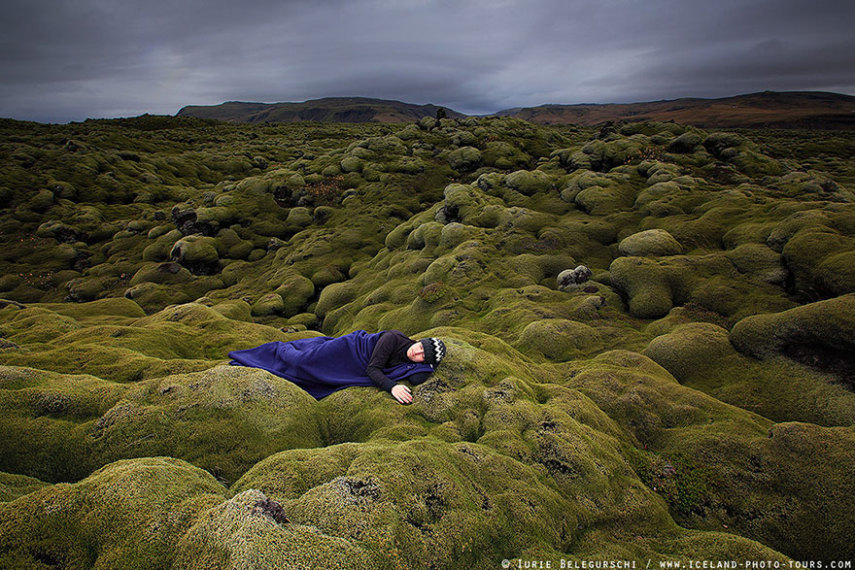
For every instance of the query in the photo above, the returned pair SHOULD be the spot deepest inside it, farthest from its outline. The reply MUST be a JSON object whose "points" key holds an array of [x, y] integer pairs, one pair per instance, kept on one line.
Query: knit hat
{"points": [[434, 350]]}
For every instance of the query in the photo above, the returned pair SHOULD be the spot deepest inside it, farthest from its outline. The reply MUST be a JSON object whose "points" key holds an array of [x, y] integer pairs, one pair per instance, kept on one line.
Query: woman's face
{"points": [[416, 352]]}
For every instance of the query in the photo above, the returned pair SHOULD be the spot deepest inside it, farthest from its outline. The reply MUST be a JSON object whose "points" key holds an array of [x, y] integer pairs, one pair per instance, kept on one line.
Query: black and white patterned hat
{"points": [[434, 350]]}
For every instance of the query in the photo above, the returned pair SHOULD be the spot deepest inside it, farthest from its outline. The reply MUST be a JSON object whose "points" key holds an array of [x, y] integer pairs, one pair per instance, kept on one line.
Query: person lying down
{"points": [[323, 365]]}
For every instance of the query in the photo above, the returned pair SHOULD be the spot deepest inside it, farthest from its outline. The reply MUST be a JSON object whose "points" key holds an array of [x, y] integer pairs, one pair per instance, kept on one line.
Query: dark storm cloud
{"points": [[63, 61]]}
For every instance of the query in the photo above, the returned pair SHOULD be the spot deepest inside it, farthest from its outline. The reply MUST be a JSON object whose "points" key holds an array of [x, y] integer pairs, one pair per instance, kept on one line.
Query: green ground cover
{"points": [[693, 400]]}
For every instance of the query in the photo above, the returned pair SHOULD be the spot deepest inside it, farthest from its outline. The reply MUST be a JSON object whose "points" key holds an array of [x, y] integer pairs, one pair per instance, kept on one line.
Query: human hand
{"points": [[402, 394]]}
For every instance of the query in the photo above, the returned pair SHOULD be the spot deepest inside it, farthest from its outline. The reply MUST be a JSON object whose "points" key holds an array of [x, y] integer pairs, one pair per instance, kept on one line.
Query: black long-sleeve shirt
{"points": [[391, 350]]}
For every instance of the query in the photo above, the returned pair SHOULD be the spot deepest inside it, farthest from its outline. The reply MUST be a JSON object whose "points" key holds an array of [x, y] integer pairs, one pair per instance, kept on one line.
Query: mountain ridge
{"points": [[769, 109], [327, 110], [782, 109]]}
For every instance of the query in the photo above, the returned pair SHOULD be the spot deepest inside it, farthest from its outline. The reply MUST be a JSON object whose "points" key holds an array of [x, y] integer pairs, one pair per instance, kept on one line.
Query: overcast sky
{"points": [[68, 60]]}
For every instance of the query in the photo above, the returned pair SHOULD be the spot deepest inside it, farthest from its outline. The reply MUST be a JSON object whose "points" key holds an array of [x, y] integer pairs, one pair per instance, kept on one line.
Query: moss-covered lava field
{"points": [[693, 400]]}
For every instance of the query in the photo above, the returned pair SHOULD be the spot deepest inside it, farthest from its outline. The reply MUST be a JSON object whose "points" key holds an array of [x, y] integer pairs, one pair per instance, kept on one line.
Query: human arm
{"points": [[389, 347], [379, 358]]}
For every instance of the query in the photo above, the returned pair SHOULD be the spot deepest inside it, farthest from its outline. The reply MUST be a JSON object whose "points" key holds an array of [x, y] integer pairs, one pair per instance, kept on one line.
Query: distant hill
{"points": [[794, 109], [327, 110]]}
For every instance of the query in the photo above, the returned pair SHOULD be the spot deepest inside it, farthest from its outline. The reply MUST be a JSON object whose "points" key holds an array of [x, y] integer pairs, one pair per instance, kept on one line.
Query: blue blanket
{"points": [[324, 364]]}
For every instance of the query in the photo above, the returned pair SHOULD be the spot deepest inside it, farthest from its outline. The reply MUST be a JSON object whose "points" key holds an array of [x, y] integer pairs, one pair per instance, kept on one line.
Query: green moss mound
{"points": [[700, 355], [560, 339], [130, 513], [820, 334], [654, 243], [85, 423]]}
